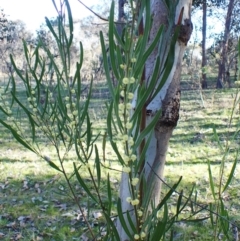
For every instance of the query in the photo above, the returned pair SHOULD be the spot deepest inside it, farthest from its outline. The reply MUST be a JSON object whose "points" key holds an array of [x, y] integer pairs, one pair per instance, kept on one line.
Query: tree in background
{"points": [[214, 6], [203, 4], [11, 35], [89, 28], [3, 26], [221, 48], [204, 59], [224, 46]]}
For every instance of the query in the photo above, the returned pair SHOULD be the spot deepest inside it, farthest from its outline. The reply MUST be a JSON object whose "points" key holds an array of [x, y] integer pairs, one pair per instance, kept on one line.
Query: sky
{"points": [[33, 12]]}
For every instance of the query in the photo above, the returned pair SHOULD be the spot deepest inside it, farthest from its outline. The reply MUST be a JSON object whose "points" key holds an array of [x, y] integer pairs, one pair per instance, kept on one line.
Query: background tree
{"points": [[11, 35], [121, 15], [204, 29], [88, 29], [214, 7], [3, 26], [223, 59]]}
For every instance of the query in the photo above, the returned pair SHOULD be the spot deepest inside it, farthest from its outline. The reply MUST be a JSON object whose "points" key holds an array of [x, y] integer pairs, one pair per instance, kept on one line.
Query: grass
{"points": [[34, 201]]}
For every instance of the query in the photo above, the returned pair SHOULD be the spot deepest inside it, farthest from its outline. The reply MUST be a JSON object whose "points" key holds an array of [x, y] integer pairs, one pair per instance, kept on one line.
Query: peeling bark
{"points": [[168, 100], [164, 128]]}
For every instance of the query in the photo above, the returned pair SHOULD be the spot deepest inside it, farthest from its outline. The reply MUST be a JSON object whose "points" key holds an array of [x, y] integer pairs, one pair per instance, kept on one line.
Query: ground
{"points": [[35, 202]]}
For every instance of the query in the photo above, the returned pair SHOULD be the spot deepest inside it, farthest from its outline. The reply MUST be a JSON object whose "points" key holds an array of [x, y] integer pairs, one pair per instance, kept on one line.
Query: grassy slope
{"points": [[33, 203], [194, 143]]}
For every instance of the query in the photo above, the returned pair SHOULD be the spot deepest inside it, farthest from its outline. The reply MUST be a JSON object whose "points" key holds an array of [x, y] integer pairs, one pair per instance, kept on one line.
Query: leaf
{"points": [[121, 218], [86, 104], [147, 192], [115, 234], [18, 137], [88, 132], [15, 68], [147, 28], [26, 52], [130, 222], [49, 25], [211, 180], [80, 56], [159, 230], [70, 23], [106, 65], [118, 37], [112, 44], [230, 176], [143, 153], [224, 220], [189, 199], [148, 129], [109, 193], [143, 59], [109, 120], [104, 146], [217, 137], [77, 78], [142, 97], [83, 185], [168, 63], [52, 164], [98, 166], [116, 150], [211, 214], [169, 194], [154, 79], [179, 202], [31, 120], [55, 6]]}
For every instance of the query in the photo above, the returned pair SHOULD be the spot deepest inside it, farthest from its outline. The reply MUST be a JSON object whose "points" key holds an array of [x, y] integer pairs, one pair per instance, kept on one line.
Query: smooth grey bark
{"points": [[168, 99]]}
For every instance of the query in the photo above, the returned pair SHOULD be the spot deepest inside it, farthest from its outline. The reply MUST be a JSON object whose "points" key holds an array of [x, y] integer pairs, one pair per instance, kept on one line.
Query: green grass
{"points": [[33, 200]]}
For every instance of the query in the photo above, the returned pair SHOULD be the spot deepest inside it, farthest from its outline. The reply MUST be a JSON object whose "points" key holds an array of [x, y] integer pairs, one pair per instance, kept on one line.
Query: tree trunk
{"points": [[168, 100], [121, 15], [204, 61], [223, 60]]}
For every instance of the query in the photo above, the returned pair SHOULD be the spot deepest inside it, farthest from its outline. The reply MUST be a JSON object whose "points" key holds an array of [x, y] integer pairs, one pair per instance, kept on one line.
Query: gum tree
{"points": [[156, 101], [224, 46], [204, 4]]}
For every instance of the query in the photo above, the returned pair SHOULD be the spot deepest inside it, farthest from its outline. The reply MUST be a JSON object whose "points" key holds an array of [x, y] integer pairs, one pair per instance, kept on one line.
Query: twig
{"points": [[193, 202], [96, 14]]}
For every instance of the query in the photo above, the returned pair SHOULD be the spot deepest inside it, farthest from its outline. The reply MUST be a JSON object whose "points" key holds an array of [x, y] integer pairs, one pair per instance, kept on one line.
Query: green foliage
{"points": [[57, 111], [221, 221]]}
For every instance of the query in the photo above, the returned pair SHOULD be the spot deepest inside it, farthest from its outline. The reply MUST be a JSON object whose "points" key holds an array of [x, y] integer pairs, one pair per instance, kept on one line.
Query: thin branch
{"points": [[193, 202], [96, 14]]}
